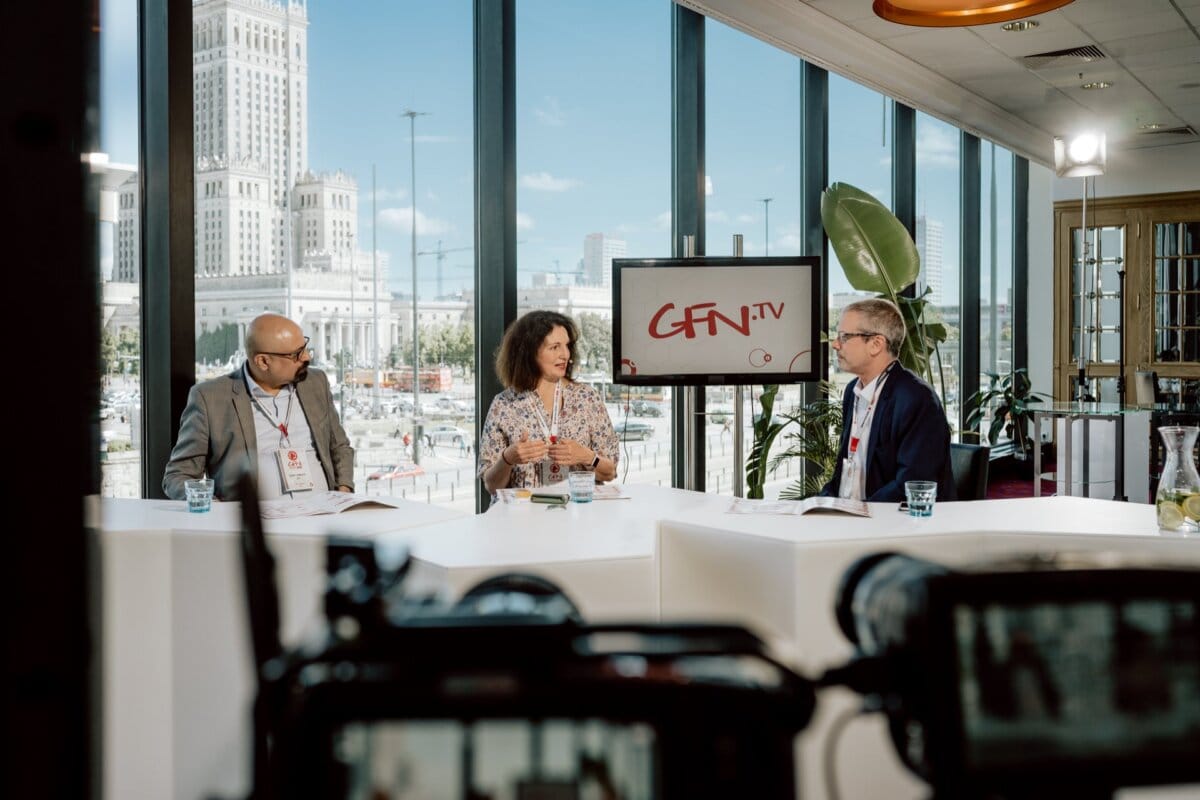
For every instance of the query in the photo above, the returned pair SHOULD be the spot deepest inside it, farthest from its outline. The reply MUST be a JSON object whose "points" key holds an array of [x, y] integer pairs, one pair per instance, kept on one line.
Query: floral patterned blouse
{"points": [[582, 418]]}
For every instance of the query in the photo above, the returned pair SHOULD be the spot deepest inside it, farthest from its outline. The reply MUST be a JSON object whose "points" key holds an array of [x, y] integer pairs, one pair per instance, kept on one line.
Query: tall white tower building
{"points": [[250, 106], [929, 248], [599, 251]]}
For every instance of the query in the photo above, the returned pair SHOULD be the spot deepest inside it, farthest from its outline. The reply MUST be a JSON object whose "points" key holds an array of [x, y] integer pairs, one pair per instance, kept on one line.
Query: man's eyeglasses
{"points": [[295, 355], [845, 336]]}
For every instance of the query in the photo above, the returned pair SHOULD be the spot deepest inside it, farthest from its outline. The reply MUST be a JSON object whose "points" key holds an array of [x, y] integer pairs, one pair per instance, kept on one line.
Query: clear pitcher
{"points": [[1178, 498]]}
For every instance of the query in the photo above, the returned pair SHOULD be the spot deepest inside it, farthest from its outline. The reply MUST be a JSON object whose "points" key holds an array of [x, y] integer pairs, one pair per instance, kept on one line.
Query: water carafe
{"points": [[1178, 498]]}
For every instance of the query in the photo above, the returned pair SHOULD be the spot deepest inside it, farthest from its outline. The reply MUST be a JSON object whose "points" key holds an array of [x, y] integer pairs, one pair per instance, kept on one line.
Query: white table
{"points": [[779, 576], [601, 553], [178, 680]]}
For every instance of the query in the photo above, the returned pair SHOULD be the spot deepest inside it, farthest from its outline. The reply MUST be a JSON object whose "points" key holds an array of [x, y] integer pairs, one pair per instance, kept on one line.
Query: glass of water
{"points": [[921, 496], [583, 486], [199, 494]]}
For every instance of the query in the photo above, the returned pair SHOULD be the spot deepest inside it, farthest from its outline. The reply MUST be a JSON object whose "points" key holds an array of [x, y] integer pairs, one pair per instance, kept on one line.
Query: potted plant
{"points": [[878, 254], [815, 439], [1008, 396]]}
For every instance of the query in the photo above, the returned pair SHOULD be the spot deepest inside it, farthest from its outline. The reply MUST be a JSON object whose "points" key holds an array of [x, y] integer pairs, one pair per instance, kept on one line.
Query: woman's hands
{"points": [[569, 452], [525, 451]]}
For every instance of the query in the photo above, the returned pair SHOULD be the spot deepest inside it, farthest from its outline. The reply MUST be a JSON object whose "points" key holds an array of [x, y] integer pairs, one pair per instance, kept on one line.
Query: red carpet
{"points": [[1005, 480]]}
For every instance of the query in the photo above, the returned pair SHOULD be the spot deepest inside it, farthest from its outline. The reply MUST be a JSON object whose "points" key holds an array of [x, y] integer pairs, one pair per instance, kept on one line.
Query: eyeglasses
{"points": [[845, 336], [294, 356]]}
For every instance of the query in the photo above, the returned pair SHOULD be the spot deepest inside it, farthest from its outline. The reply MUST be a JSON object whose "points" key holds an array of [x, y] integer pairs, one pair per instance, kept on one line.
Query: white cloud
{"points": [[746, 218], [627, 228], [789, 242], [549, 113], [937, 146], [545, 182], [718, 217], [383, 193], [400, 219], [663, 221], [524, 221]]}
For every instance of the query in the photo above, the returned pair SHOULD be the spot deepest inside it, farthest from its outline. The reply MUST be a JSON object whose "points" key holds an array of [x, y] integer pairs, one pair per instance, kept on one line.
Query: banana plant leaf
{"points": [[874, 248]]}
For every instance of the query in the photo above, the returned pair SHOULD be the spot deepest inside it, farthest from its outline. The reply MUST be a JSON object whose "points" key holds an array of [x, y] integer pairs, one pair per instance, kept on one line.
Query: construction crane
{"points": [[441, 256]]}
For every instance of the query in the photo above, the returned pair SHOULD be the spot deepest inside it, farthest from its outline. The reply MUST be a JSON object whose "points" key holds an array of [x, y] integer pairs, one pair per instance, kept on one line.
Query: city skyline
{"points": [[362, 62]]}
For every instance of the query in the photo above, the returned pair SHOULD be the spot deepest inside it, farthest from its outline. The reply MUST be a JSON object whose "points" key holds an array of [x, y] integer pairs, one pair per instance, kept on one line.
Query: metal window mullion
{"points": [[1020, 251], [495, 195], [969, 278], [687, 219], [167, 228], [814, 177]]}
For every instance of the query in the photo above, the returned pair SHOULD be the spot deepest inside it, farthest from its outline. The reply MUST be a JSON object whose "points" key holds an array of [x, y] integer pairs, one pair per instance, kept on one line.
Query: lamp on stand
{"points": [[1085, 156]]}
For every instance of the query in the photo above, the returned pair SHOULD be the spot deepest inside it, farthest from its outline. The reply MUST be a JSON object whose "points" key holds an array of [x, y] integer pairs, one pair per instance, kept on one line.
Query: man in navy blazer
{"points": [[893, 426]]}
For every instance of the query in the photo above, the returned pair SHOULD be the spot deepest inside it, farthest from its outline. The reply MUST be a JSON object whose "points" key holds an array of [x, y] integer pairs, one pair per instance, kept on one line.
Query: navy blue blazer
{"points": [[909, 441]]}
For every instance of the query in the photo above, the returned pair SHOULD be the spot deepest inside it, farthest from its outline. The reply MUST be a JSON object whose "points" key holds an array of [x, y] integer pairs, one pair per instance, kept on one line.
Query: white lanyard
{"points": [[857, 422], [283, 426], [549, 431]]}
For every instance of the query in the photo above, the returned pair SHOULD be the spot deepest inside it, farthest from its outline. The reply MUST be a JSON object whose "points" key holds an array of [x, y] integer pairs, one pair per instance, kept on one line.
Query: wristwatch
{"points": [[595, 461]]}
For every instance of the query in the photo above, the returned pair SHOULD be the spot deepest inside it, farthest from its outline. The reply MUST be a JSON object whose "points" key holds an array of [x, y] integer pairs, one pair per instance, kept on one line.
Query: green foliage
{"points": [[109, 363], [119, 446], [450, 344], [594, 348], [129, 350], [217, 346], [878, 255], [766, 429], [816, 440], [1008, 396]]}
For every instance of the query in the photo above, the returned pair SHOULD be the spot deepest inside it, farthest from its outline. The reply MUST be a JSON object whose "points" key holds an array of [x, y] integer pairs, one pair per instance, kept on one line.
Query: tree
{"points": [[217, 346], [129, 349], [595, 342], [110, 364]]}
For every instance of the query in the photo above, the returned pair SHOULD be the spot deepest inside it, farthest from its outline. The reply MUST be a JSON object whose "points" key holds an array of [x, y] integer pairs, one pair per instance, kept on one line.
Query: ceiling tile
{"points": [[1087, 12], [1179, 56], [1131, 25], [1120, 48]]}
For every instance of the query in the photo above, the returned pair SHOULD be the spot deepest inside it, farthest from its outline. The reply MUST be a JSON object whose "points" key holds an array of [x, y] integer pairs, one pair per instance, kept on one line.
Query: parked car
{"points": [[718, 415], [393, 471], [633, 430], [446, 434], [646, 408]]}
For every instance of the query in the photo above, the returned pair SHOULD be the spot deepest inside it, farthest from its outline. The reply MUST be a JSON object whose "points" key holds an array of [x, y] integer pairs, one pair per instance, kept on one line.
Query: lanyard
{"points": [[549, 431], [283, 426], [859, 422]]}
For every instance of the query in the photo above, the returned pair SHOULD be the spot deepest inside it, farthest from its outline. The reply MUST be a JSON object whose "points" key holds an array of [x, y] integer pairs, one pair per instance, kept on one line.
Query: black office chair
{"points": [[969, 466]]}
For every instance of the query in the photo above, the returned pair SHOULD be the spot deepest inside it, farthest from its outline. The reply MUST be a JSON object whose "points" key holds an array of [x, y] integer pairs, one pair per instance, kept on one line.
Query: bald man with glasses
{"points": [[893, 426], [273, 415]]}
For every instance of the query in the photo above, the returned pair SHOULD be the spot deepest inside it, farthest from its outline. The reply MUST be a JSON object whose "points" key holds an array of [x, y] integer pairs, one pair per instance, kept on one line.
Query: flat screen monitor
{"points": [[714, 321]]}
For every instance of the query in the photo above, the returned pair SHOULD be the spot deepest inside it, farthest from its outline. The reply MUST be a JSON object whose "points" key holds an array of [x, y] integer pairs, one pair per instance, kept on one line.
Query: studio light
{"points": [[1080, 157]]}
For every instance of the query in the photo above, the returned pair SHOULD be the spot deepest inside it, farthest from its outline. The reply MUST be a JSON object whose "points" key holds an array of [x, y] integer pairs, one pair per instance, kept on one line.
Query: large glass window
{"points": [[594, 184], [314, 186], [860, 153], [120, 259], [996, 265], [938, 243], [752, 157]]}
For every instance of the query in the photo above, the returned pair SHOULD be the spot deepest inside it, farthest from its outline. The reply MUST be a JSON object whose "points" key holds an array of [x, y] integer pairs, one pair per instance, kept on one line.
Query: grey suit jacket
{"points": [[216, 435]]}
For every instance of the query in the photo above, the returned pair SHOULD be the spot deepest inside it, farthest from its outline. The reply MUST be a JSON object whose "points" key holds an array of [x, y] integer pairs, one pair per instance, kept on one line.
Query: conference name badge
{"points": [[293, 469]]}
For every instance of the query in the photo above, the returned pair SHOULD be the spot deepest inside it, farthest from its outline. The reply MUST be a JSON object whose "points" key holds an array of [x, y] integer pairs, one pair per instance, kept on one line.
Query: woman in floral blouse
{"points": [[543, 425]]}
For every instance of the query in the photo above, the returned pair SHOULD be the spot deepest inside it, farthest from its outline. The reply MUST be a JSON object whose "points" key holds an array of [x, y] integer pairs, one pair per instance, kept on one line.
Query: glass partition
{"points": [[938, 243], [334, 147], [120, 254], [752, 157], [593, 184]]}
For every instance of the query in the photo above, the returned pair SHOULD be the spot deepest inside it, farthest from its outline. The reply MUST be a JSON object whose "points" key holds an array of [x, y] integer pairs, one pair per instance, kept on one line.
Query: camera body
{"points": [[512, 686], [1018, 682]]}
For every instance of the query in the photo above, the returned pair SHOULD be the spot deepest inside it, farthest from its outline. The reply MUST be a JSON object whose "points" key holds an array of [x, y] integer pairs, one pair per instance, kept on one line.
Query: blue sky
{"points": [[593, 130]]}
